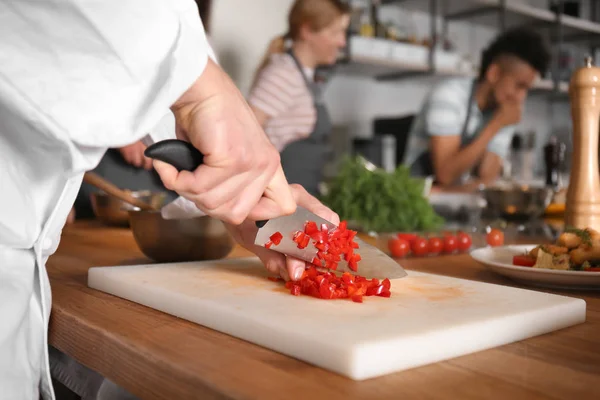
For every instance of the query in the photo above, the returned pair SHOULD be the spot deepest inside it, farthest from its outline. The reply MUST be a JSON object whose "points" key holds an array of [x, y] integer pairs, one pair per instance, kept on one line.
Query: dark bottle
{"points": [[554, 157]]}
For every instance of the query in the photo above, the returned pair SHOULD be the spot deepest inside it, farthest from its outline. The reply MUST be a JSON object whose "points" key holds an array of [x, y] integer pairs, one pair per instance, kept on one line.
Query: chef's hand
{"points": [[277, 263], [241, 176], [134, 155]]}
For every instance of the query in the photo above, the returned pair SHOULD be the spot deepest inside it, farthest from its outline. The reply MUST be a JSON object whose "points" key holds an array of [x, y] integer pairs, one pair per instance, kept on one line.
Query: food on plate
{"points": [[328, 286], [575, 249], [331, 244], [404, 244], [381, 201]]}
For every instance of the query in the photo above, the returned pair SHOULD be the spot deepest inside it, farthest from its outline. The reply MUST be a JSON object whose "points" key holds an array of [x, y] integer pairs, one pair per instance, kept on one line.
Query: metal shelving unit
{"points": [[501, 14]]}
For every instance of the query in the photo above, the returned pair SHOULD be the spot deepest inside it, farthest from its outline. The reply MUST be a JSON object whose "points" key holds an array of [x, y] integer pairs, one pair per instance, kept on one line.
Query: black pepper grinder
{"points": [[554, 157]]}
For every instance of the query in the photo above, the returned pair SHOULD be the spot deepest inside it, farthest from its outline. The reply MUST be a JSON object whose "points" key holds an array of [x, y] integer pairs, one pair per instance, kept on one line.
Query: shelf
{"points": [[383, 69], [547, 85], [488, 13]]}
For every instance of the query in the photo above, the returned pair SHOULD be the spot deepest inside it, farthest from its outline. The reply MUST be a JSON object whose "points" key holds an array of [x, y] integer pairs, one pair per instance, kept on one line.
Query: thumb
{"points": [[168, 173]]}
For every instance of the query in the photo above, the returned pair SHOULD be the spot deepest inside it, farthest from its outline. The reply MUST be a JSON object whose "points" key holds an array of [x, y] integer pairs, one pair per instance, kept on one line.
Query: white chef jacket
{"points": [[76, 77]]}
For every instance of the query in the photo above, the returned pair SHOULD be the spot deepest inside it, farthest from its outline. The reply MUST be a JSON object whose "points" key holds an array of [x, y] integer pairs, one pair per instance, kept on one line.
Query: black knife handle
{"points": [[182, 155]]}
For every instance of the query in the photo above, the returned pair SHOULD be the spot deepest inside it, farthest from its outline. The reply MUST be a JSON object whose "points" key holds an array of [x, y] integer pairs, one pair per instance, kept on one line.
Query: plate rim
{"points": [[477, 256]]}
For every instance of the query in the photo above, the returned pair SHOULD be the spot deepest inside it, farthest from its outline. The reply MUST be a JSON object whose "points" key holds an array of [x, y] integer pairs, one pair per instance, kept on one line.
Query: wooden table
{"points": [[157, 356]]}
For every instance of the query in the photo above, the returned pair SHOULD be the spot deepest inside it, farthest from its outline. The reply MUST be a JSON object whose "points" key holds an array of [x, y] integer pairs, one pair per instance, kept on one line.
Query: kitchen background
{"points": [[240, 31]]}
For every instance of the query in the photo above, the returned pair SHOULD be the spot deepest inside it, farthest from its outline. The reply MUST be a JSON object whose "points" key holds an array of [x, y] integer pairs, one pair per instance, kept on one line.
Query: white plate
{"points": [[499, 260]]}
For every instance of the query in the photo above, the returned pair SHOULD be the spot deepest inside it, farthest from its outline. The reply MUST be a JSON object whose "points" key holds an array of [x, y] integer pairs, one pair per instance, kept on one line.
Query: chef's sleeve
{"points": [[99, 73]]}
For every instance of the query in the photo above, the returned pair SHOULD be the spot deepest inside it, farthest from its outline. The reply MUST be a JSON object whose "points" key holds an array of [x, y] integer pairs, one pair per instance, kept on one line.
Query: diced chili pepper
{"points": [[298, 236], [311, 228], [305, 242], [276, 238], [326, 285], [269, 244], [386, 284], [357, 299]]}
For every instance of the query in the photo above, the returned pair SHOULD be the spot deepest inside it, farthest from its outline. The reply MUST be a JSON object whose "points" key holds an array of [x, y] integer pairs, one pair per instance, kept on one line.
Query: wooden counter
{"points": [[158, 356]]}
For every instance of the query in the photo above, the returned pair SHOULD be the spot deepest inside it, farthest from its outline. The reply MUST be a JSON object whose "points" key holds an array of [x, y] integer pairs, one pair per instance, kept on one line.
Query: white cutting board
{"points": [[429, 318]]}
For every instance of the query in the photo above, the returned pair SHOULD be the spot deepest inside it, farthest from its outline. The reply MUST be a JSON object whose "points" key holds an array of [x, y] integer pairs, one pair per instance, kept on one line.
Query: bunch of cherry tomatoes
{"points": [[403, 244]]}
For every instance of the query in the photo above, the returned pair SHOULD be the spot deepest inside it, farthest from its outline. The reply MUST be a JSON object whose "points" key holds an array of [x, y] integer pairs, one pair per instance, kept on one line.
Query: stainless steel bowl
{"points": [[178, 240], [114, 212], [516, 202]]}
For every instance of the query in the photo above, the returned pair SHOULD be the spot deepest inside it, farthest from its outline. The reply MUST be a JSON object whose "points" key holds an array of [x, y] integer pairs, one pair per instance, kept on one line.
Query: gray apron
{"points": [[423, 166], [303, 160]]}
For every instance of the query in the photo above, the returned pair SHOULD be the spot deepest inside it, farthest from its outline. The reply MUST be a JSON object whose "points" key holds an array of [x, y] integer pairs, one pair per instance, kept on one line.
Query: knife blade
{"points": [[374, 263]]}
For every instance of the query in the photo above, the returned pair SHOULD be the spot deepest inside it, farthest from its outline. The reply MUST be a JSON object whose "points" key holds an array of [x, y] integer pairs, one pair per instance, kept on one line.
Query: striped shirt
{"points": [[281, 92], [443, 114]]}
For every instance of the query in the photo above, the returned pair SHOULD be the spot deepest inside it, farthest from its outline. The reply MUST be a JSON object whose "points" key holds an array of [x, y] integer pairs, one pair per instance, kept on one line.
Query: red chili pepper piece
{"points": [[357, 299], [269, 244], [298, 236], [304, 242], [296, 290], [311, 228], [276, 238]]}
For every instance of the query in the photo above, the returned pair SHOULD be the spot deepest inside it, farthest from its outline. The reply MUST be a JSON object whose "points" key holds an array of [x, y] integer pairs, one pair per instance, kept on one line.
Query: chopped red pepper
{"points": [[326, 285], [268, 244], [311, 228], [305, 241], [276, 238], [331, 246]]}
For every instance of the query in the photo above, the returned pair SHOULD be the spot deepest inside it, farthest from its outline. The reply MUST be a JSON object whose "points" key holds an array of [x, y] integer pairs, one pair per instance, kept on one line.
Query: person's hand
{"points": [[241, 176], [509, 113], [277, 263], [134, 155]]}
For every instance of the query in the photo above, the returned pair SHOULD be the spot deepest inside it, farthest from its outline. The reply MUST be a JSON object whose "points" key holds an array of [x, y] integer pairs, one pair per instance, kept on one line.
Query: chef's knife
{"points": [[374, 263]]}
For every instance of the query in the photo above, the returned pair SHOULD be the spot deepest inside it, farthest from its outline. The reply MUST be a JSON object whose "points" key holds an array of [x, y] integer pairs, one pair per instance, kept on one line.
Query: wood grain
{"points": [[158, 356]]}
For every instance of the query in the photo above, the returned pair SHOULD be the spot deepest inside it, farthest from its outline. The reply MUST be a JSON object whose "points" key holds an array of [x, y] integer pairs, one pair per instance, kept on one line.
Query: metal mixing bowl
{"points": [[178, 240], [516, 202], [112, 211]]}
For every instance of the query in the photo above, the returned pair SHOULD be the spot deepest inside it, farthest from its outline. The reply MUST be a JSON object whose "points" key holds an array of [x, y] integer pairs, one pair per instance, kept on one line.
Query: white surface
{"points": [[499, 260], [429, 318]]}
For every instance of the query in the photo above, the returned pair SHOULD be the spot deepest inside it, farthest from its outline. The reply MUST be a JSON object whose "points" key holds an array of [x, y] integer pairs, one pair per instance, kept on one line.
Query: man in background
{"points": [[462, 134]]}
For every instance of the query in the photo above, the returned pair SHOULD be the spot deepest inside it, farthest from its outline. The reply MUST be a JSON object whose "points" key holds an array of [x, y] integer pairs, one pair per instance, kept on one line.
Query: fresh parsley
{"points": [[380, 201]]}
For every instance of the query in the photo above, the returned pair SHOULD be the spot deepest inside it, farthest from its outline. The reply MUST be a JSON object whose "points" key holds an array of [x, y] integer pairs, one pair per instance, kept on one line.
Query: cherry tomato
{"points": [[436, 245], [464, 241], [409, 237], [419, 247], [398, 247], [495, 237], [450, 244], [524, 260]]}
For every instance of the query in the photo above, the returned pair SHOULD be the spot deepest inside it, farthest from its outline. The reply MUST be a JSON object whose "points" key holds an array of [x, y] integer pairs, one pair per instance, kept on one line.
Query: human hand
{"points": [[241, 176], [134, 155], [277, 263], [509, 113]]}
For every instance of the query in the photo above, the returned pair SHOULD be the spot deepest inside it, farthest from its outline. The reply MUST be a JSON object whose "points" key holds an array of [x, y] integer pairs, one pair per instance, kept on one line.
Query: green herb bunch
{"points": [[380, 201]]}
